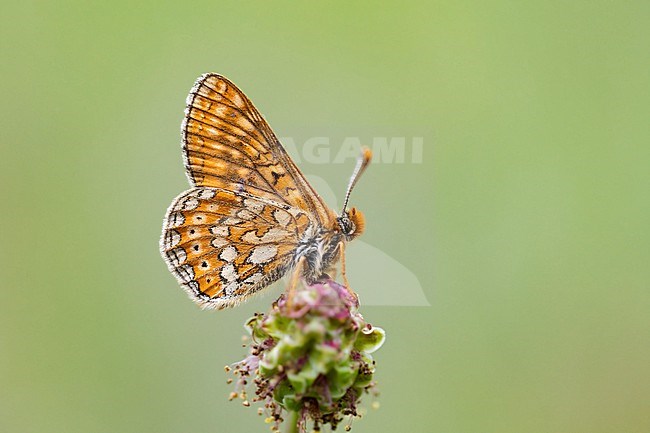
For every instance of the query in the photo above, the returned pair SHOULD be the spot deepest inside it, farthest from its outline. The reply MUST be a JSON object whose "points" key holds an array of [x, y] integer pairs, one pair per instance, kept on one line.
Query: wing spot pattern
{"points": [[263, 254]]}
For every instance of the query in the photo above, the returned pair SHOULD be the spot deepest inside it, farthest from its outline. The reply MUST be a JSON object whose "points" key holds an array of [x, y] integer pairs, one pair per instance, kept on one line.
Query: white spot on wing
{"points": [[282, 217], [263, 254], [207, 194], [274, 235], [228, 254], [172, 238], [245, 214], [230, 288], [177, 256], [229, 273], [190, 204], [253, 279], [176, 219], [250, 237], [219, 230], [219, 242]]}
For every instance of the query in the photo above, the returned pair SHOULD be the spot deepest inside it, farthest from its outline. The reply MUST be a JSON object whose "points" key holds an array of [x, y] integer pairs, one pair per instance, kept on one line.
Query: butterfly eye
{"points": [[346, 225]]}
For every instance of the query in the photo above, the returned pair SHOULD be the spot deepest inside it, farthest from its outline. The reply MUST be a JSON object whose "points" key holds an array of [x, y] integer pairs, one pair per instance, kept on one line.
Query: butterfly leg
{"points": [[295, 277], [346, 283]]}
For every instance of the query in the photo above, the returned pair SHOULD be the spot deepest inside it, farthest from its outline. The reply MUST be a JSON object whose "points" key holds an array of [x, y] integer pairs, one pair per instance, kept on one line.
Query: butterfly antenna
{"points": [[362, 163]]}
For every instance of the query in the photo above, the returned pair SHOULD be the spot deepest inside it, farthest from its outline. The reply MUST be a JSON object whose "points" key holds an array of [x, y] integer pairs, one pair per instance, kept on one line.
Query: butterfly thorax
{"points": [[319, 247]]}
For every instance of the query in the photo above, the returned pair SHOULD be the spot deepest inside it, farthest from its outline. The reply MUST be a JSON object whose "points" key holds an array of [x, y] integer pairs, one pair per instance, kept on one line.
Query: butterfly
{"points": [[250, 215]]}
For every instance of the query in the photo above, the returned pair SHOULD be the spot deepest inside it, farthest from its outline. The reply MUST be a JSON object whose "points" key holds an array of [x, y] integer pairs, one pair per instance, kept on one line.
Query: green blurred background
{"points": [[527, 223]]}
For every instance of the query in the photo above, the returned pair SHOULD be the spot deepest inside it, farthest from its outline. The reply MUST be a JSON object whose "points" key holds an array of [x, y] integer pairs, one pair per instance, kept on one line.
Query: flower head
{"points": [[310, 354]]}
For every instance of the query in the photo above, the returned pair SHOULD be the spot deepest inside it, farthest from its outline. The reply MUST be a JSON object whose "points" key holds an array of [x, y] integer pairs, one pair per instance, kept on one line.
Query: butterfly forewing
{"points": [[228, 144]]}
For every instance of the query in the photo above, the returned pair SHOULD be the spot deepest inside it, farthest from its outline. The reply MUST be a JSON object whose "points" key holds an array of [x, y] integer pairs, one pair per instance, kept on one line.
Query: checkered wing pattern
{"points": [[222, 246]]}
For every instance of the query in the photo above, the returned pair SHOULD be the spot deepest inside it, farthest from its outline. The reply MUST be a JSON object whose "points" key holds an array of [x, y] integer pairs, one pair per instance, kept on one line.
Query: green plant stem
{"points": [[292, 422]]}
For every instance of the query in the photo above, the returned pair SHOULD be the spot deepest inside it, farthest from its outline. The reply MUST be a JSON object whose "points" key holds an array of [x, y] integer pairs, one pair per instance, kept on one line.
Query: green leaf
{"points": [[369, 340]]}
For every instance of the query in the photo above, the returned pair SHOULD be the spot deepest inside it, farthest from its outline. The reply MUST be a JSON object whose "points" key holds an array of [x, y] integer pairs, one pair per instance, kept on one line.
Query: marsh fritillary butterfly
{"points": [[250, 215]]}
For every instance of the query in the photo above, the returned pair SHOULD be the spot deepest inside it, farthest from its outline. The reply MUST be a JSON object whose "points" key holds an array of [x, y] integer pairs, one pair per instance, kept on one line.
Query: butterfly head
{"points": [[352, 223]]}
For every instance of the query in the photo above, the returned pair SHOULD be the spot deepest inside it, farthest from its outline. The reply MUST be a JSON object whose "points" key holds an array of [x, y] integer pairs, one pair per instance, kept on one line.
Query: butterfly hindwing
{"points": [[223, 246]]}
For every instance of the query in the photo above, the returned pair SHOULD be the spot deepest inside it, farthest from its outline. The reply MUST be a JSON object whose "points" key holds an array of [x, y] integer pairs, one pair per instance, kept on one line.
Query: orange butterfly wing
{"points": [[228, 144], [223, 246]]}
